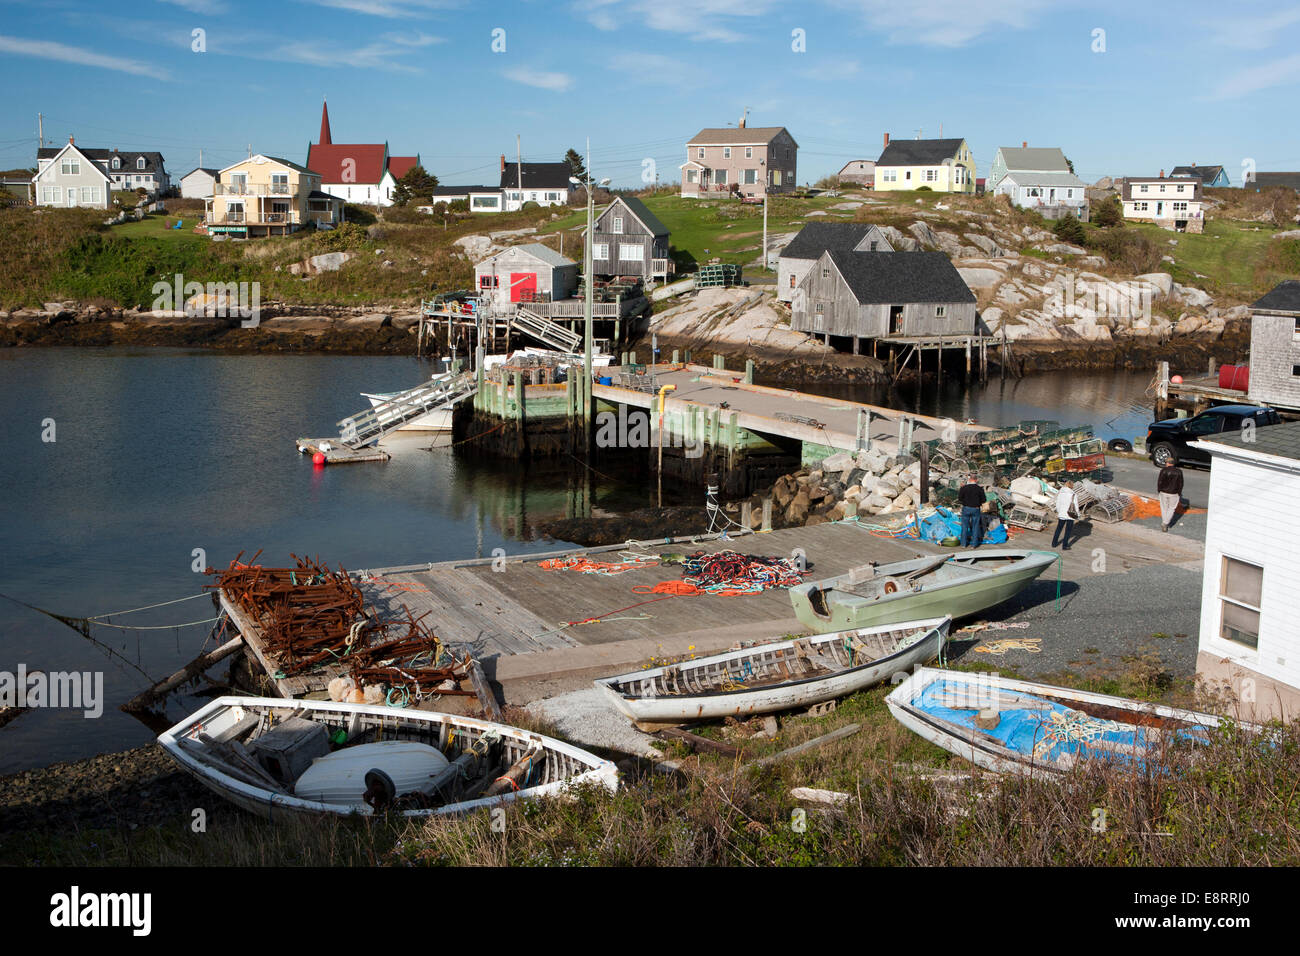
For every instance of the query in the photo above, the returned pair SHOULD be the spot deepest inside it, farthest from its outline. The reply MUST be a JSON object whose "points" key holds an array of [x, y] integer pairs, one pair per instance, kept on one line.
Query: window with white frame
{"points": [[488, 282], [630, 250], [749, 152], [1241, 587], [726, 152], [1143, 188], [1141, 206], [618, 225], [699, 153], [553, 197], [50, 196], [600, 250], [139, 163], [889, 175], [117, 162], [819, 318], [71, 166], [691, 176], [85, 194], [1180, 207], [931, 175], [940, 311], [751, 177], [1296, 333], [720, 176], [907, 176]]}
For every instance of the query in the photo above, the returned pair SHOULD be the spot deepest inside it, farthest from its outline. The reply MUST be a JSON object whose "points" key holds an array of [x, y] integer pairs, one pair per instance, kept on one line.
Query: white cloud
{"points": [[1252, 33], [720, 20], [939, 22], [373, 56], [390, 9], [210, 7], [49, 50], [1281, 72], [557, 82]]}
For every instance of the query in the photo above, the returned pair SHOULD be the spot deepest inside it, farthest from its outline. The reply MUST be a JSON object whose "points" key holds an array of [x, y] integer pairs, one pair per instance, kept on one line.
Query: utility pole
{"points": [[519, 169], [40, 128]]}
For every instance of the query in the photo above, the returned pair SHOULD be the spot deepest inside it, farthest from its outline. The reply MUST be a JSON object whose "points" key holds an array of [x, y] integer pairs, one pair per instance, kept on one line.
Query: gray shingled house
{"points": [[1275, 346], [817, 237], [872, 295], [629, 240]]}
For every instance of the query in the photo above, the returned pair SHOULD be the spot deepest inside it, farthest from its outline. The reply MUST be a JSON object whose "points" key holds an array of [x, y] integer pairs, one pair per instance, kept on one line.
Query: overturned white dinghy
{"points": [[282, 758], [781, 675]]}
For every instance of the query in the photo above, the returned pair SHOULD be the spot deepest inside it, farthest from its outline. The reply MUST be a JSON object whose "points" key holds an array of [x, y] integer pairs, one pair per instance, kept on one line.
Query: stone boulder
{"points": [[325, 262]]}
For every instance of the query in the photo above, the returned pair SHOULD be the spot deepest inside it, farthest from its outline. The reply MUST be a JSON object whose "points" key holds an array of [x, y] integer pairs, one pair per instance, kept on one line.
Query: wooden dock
{"points": [[337, 453]]}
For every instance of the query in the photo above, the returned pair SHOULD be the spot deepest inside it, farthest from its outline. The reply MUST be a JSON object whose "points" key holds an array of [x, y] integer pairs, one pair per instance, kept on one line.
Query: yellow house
{"points": [[266, 196], [942, 165]]}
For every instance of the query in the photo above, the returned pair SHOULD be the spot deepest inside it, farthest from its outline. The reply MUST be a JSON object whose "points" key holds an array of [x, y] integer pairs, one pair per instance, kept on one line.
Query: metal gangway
{"points": [[547, 332], [441, 391]]}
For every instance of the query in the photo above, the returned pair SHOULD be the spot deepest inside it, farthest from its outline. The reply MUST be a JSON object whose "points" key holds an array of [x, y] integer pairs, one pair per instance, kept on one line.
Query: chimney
{"points": [[72, 141], [886, 139], [1024, 144], [1162, 174], [742, 122], [503, 162]]}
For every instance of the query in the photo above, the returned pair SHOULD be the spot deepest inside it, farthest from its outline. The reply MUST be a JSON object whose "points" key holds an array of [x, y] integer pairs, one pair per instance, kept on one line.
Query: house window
{"points": [[1180, 207], [600, 250], [139, 163], [1143, 187], [1069, 194], [720, 176], [1297, 329], [484, 202], [1295, 371], [1141, 207], [907, 175], [751, 177], [819, 318], [826, 274], [891, 175], [618, 225], [749, 152], [792, 286], [70, 167], [1162, 187], [488, 282], [630, 250], [776, 177], [690, 176], [117, 162], [699, 153], [553, 197], [940, 311], [85, 194], [1180, 188], [1240, 588], [874, 245], [726, 152], [931, 175]]}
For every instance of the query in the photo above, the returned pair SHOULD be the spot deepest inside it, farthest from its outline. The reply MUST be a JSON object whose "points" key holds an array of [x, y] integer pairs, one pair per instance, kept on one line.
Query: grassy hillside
{"points": [[69, 254]]}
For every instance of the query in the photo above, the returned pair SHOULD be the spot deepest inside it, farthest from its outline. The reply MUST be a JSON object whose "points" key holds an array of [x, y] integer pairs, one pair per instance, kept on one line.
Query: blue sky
{"points": [[1162, 84]]}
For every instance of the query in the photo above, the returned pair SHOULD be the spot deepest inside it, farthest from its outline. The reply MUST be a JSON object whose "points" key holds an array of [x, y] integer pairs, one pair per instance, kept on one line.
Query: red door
{"points": [[521, 283]]}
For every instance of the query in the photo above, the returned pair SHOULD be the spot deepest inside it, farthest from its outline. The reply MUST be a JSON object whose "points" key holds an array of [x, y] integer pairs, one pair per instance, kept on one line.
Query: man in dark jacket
{"points": [[971, 497], [1169, 485]]}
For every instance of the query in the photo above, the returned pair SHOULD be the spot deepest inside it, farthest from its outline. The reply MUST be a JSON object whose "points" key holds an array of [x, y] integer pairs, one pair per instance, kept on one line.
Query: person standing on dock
{"points": [[1169, 485], [1064, 520], [972, 498]]}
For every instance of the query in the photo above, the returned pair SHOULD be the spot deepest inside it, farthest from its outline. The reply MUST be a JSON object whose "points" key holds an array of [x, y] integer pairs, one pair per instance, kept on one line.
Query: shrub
{"points": [[1131, 250], [924, 189], [1069, 229], [1109, 212], [347, 235]]}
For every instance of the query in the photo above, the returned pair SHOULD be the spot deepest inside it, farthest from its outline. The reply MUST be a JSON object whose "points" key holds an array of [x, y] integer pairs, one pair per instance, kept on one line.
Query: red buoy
{"points": [[1176, 380], [318, 458]]}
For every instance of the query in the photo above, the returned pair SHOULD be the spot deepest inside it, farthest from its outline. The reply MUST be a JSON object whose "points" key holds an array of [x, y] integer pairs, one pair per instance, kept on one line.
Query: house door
{"points": [[72, 195], [1051, 196], [1160, 209], [895, 320], [523, 286]]}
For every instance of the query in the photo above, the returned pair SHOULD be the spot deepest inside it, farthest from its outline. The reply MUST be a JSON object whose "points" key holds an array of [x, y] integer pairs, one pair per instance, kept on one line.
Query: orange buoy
{"points": [[1176, 380], [318, 458]]}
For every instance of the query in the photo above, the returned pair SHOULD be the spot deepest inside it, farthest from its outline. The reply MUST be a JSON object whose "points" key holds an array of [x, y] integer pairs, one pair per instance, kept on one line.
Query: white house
{"points": [[198, 183], [479, 198], [69, 177], [546, 184], [1172, 202], [1052, 193], [1249, 640]]}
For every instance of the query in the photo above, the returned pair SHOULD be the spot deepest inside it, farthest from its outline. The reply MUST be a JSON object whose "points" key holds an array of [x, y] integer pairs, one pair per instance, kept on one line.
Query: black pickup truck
{"points": [[1169, 440]]}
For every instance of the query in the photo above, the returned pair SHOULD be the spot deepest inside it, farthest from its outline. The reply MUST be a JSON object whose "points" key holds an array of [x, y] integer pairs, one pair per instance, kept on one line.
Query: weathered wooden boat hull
{"points": [[787, 695], [565, 766], [957, 599], [1146, 721]]}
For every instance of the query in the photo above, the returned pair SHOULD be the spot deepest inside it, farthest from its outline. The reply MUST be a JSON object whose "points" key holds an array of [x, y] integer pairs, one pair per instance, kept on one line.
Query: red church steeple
{"points": [[325, 124]]}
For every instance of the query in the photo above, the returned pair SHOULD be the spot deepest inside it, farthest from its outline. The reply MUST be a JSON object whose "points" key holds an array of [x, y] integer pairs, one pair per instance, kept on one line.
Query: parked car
{"points": [[1169, 440]]}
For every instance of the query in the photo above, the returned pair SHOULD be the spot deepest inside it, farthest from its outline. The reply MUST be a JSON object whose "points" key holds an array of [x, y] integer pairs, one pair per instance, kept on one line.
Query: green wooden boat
{"points": [[958, 585]]}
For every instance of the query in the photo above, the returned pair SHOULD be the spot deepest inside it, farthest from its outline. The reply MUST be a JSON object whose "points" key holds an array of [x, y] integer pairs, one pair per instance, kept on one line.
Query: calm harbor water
{"points": [[161, 452]]}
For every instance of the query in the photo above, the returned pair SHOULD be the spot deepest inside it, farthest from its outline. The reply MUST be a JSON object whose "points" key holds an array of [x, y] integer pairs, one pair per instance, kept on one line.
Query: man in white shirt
{"points": [[1064, 519]]}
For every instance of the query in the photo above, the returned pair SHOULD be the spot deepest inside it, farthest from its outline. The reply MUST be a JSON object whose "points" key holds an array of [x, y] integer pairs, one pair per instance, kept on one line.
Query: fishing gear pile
{"points": [[731, 573]]}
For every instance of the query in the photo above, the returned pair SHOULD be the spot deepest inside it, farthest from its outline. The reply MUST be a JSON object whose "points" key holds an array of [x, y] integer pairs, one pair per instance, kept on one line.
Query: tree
{"points": [[1108, 212], [576, 167], [1069, 229], [1069, 164], [416, 183]]}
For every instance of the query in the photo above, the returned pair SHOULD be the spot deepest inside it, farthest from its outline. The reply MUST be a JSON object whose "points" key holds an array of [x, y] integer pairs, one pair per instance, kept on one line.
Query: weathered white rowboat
{"points": [[1038, 730], [777, 676], [253, 751]]}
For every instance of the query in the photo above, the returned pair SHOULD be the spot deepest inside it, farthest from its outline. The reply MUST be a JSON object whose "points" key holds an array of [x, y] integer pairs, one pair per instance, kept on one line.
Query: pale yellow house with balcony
{"points": [[940, 165], [268, 196]]}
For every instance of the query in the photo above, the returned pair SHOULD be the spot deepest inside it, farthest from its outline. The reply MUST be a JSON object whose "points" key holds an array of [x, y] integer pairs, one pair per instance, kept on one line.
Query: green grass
{"points": [[1229, 258], [157, 227]]}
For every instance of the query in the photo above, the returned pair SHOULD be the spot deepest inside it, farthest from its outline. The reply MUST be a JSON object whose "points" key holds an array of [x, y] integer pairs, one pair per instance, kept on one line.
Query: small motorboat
{"points": [[282, 758], [1036, 729], [955, 585], [776, 676]]}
